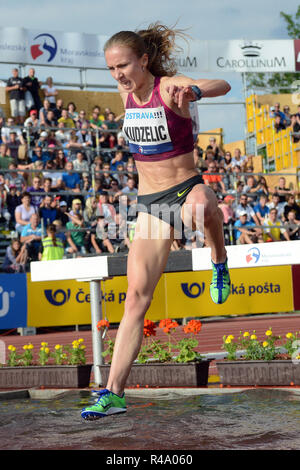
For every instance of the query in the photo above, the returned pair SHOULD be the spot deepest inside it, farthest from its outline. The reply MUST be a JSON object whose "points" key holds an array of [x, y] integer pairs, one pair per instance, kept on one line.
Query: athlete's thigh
{"points": [[148, 252], [199, 202]]}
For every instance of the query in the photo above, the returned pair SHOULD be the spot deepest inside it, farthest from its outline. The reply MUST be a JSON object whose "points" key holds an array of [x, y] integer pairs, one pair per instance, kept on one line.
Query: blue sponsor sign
{"points": [[13, 301]]}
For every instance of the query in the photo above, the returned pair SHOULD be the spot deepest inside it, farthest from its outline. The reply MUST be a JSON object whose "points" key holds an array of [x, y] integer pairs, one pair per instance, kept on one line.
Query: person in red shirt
{"points": [[209, 178]]}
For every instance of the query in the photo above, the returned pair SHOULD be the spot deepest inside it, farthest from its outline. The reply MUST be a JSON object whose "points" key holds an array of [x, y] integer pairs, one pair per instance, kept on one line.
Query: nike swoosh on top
{"points": [[182, 192]]}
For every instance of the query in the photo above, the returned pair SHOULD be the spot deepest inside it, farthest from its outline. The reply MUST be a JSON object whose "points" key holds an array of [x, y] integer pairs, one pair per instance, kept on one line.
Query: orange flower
{"points": [[167, 324], [149, 328], [102, 324], [193, 326]]}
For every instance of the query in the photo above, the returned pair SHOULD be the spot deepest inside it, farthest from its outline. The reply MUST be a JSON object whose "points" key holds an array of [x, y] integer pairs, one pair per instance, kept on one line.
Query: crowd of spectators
{"points": [[284, 119], [72, 170]]}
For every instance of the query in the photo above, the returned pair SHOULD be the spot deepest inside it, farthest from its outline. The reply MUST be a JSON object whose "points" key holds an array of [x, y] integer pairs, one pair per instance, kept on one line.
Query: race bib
{"points": [[147, 130]]}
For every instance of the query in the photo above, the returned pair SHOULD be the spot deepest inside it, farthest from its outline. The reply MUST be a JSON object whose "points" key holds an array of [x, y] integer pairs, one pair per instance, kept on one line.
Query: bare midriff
{"points": [[164, 174]]}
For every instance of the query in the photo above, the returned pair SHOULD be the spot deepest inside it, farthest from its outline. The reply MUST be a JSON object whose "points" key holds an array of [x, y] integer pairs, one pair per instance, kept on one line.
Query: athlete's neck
{"points": [[143, 93]]}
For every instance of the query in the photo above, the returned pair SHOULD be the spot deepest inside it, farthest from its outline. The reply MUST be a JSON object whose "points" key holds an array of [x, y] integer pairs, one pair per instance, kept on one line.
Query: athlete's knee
{"points": [[137, 301]]}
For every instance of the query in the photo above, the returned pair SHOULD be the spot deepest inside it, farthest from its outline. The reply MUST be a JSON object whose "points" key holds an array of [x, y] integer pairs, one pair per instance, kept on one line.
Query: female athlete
{"points": [[158, 126]]}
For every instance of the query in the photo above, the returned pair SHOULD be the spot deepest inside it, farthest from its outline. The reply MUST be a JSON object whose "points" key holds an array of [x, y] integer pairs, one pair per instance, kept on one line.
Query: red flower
{"points": [[167, 324], [193, 326], [102, 324], [149, 328]]}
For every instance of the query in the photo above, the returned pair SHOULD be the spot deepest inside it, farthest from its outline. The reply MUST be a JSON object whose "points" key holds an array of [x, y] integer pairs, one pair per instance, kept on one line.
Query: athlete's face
{"points": [[125, 67]]}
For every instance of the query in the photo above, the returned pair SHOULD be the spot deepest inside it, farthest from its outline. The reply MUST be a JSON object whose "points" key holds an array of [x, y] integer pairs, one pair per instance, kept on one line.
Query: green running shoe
{"points": [[107, 404], [220, 285]]}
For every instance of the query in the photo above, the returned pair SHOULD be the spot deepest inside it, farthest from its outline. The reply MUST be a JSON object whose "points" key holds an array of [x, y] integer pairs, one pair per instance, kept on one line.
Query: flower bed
{"points": [[65, 366], [261, 362], [167, 363]]}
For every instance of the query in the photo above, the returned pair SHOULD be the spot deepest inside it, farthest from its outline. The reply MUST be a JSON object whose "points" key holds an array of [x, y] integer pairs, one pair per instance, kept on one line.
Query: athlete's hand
{"points": [[180, 94]]}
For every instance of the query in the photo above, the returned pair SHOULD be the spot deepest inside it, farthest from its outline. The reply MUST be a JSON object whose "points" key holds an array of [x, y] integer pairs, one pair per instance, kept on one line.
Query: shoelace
{"points": [[220, 278], [101, 393]]}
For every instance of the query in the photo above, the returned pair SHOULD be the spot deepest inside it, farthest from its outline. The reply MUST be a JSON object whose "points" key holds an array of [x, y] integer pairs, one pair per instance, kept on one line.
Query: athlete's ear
{"points": [[144, 61]]}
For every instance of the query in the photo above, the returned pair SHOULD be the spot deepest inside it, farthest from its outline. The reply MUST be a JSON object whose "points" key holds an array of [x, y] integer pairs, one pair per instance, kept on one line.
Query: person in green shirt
{"points": [[75, 236], [5, 160], [95, 120], [52, 247]]}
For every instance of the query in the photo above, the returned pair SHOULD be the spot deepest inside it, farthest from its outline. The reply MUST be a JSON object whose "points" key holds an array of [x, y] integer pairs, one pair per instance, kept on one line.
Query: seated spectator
{"points": [[65, 119], [60, 159], [275, 203], [14, 178], [113, 191], [84, 136], [282, 190], [211, 176], [118, 234], [72, 113], [228, 216], [106, 176], [272, 231], [120, 176], [50, 120], [276, 112], [295, 123], [58, 108], [50, 92], [75, 236], [60, 231], [47, 211], [80, 164], [13, 200], [105, 208], [43, 112], [250, 189], [15, 257], [291, 205], [131, 171], [5, 159], [117, 160], [262, 186], [70, 179], [62, 214], [90, 212], [130, 191], [292, 225], [261, 209], [5, 131], [245, 231], [61, 134], [215, 148], [239, 160], [99, 240], [24, 211], [82, 120], [13, 146], [227, 161], [36, 188], [85, 185], [76, 207], [122, 145], [31, 236], [95, 121], [287, 115], [32, 120], [278, 124], [52, 246], [244, 206]]}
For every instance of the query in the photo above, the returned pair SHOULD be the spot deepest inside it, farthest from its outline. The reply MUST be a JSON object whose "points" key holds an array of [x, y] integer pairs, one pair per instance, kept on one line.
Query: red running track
{"points": [[210, 338]]}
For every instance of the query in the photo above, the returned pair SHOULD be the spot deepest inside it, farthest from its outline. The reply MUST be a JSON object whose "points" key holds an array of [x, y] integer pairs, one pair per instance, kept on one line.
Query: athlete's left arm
{"points": [[179, 88]]}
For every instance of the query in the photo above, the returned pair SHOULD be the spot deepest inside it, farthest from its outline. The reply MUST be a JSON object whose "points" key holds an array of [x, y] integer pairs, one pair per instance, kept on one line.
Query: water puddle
{"points": [[253, 419]]}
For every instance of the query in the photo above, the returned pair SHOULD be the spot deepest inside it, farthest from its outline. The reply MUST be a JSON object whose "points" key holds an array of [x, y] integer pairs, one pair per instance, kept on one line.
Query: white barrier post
{"points": [[96, 313]]}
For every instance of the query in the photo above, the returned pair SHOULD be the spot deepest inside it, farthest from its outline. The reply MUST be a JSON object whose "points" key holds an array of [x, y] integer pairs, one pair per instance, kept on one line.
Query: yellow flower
{"points": [[47, 350], [265, 344], [253, 337], [75, 344], [228, 340], [44, 344], [30, 346], [289, 335], [80, 340], [82, 346], [25, 346], [246, 334], [58, 346], [11, 347], [269, 333]]}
